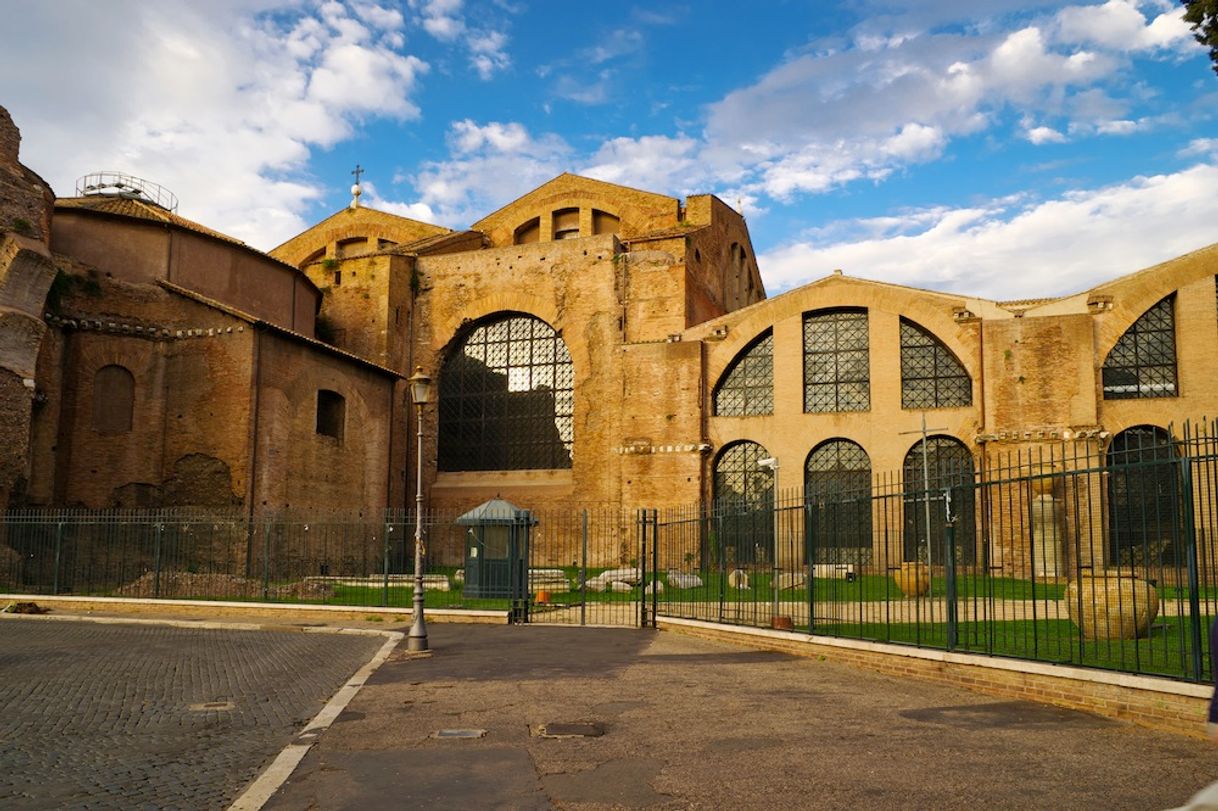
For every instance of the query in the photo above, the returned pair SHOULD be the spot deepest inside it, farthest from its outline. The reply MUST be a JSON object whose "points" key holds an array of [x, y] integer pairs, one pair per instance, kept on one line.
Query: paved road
{"points": [[694, 724], [110, 716]]}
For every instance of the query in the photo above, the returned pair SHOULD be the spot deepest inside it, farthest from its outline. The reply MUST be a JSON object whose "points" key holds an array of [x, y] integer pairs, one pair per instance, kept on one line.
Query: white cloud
{"points": [[654, 162], [487, 52], [1119, 25], [443, 19], [222, 104], [489, 165], [1013, 248], [1202, 147], [1044, 135]]}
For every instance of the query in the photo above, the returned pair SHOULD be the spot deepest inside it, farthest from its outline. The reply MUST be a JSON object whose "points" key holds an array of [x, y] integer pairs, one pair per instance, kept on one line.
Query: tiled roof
{"points": [[140, 210]]}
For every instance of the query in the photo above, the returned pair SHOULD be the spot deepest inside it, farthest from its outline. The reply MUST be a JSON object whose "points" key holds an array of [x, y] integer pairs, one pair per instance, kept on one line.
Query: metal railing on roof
{"points": [[119, 184]]}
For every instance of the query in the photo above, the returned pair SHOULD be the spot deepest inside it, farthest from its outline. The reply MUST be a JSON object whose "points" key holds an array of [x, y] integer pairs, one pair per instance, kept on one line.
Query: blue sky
{"points": [[1002, 149]]}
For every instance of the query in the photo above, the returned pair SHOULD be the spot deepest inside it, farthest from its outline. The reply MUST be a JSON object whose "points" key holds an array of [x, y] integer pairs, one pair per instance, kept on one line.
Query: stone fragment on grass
{"points": [[683, 580]]}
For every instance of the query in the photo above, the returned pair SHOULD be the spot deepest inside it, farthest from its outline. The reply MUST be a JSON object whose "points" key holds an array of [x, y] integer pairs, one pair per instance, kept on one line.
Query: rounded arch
{"points": [[450, 326], [1142, 361], [1144, 497], [507, 390], [932, 375], [837, 483], [746, 387], [938, 476], [743, 493], [113, 399]]}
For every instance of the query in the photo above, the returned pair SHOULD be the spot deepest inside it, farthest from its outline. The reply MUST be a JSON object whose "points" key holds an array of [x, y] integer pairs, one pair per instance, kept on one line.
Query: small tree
{"points": [[1202, 15]]}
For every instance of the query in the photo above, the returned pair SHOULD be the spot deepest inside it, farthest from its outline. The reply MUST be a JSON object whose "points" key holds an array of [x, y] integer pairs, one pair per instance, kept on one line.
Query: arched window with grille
{"points": [[507, 397], [747, 387], [743, 523], [938, 485], [1144, 498], [931, 376], [1142, 363], [113, 400], [836, 365], [837, 483]]}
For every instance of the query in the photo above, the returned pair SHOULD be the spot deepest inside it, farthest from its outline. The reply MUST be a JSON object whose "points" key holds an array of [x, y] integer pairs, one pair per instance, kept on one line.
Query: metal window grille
{"points": [[1143, 361], [837, 478], [931, 376], [1144, 497], [948, 487], [836, 372], [507, 397], [744, 504], [748, 386]]}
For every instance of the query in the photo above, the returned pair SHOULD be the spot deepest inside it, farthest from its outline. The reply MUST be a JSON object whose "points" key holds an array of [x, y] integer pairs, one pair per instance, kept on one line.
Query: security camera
{"points": [[769, 463]]}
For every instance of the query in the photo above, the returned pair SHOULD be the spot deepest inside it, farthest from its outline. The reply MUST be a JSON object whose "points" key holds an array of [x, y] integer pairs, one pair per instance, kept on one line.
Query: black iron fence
{"points": [[574, 567], [1069, 554], [1075, 553]]}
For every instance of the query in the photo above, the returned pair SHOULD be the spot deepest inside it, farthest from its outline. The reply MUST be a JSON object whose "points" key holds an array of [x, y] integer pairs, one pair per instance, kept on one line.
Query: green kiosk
{"points": [[497, 554]]}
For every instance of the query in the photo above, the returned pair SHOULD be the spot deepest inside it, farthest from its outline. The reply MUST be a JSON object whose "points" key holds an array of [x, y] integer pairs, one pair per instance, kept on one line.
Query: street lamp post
{"points": [[771, 463], [420, 394]]}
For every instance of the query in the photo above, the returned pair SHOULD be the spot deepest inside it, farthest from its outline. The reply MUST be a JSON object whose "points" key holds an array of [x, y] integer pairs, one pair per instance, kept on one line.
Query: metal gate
{"points": [[593, 568]]}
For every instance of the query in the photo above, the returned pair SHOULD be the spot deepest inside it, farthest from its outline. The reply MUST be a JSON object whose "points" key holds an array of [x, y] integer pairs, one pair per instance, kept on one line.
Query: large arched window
{"points": [[113, 400], [507, 398], [743, 530], [1143, 497], [1143, 361], [931, 376], [938, 479], [747, 387], [836, 371], [837, 482]]}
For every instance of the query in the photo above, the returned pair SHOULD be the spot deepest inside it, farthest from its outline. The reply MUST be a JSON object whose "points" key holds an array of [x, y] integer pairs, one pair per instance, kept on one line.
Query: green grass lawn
{"points": [[1165, 651]]}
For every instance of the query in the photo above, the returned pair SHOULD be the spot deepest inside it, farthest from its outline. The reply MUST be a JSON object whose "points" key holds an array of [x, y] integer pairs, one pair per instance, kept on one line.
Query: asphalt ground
{"points": [[694, 724], [153, 716]]}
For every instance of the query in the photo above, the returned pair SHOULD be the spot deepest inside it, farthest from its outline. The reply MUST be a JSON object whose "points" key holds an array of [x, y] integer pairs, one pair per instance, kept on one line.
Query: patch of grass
{"points": [[1165, 651]]}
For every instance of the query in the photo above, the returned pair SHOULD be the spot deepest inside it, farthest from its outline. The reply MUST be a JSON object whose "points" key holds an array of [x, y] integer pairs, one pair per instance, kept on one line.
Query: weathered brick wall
{"points": [[298, 467], [188, 443], [639, 211], [576, 287], [358, 231], [26, 201], [26, 273]]}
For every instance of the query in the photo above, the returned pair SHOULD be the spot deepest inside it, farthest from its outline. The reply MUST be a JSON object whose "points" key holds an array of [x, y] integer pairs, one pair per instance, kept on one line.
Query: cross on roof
{"points": [[359, 170]]}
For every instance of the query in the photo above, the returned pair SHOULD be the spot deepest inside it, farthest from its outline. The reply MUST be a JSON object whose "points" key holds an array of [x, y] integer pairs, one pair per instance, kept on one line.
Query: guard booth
{"points": [[497, 554]]}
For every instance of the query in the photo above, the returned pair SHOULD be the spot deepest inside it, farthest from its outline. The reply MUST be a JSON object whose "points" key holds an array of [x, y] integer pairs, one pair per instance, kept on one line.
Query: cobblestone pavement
{"points": [[110, 716]]}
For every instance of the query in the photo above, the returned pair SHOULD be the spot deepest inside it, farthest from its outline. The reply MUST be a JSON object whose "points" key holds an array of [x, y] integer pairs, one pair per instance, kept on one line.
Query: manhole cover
{"points": [[460, 733], [212, 706], [579, 730]]}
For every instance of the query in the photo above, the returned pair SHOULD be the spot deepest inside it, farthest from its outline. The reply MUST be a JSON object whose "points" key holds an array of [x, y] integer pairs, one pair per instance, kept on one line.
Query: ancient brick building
{"points": [[592, 345]]}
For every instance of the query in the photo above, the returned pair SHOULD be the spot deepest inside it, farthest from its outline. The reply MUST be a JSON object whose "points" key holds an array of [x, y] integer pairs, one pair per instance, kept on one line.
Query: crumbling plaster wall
{"points": [[26, 273]]}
